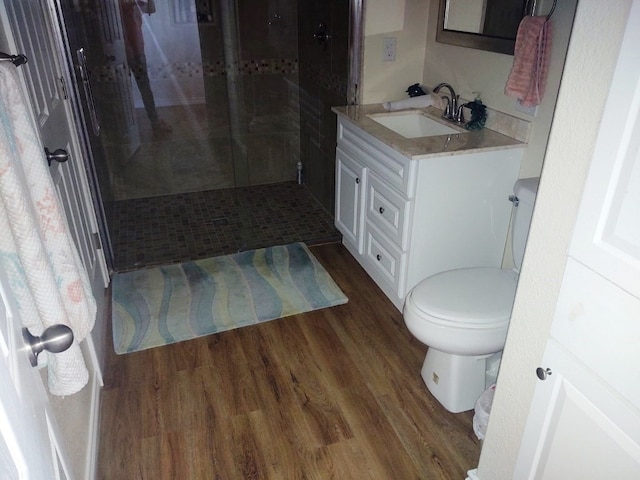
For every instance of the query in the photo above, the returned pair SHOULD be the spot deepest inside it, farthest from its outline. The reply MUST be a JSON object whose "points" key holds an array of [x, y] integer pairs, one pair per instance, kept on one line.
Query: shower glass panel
{"points": [[192, 110]]}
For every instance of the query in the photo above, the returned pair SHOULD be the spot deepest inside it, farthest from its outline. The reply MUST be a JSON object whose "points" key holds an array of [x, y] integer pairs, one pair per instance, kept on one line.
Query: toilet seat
{"points": [[473, 298]]}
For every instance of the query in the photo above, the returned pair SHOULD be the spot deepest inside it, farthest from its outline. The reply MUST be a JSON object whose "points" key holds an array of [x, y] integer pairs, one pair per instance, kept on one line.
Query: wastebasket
{"points": [[482, 411]]}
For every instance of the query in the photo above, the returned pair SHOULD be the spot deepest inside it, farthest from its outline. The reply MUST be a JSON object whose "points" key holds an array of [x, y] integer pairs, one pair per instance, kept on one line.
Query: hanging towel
{"points": [[36, 249], [528, 75]]}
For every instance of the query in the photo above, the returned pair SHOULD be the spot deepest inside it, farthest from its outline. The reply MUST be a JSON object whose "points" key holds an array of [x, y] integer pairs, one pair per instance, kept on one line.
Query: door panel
{"points": [[28, 446], [43, 77], [585, 431]]}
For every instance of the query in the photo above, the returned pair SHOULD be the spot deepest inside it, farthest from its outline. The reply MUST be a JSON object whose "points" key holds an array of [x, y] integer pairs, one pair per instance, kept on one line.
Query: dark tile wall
{"points": [[263, 116], [323, 81]]}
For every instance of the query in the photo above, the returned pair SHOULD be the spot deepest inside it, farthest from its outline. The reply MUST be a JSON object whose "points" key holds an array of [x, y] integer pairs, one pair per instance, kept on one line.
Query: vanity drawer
{"points": [[383, 160], [386, 260], [388, 210]]}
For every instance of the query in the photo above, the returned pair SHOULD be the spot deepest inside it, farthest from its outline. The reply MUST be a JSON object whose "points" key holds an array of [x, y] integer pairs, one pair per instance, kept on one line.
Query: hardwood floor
{"points": [[330, 394]]}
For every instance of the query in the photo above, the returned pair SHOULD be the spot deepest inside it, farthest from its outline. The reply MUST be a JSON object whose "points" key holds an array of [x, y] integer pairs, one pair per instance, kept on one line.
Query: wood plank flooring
{"points": [[331, 394]]}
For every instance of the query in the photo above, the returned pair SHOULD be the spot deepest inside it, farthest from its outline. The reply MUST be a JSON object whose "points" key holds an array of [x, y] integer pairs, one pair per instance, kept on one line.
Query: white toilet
{"points": [[462, 316]]}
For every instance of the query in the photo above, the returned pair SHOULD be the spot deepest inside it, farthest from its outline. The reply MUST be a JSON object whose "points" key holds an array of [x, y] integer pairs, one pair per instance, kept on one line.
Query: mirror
{"points": [[482, 24]]}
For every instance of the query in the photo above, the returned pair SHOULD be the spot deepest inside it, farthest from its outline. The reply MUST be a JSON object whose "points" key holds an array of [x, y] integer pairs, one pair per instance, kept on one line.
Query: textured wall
{"points": [[596, 37]]}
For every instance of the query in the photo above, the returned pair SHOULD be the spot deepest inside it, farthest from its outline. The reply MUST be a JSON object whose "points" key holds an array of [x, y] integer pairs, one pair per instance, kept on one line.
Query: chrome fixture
{"points": [[452, 111], [55, 339], [60, 155], [321, 34], [277, 18], [17, 60], [543, 373]]}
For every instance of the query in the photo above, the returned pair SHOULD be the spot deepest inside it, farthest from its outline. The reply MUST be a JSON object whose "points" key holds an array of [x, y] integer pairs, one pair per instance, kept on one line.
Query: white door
{"points": [[29, 446], [584, 421], [30, 23]]}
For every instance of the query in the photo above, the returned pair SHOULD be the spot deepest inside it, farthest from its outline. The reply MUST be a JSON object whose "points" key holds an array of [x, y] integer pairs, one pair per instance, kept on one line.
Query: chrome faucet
{"points": [[452, 111]]}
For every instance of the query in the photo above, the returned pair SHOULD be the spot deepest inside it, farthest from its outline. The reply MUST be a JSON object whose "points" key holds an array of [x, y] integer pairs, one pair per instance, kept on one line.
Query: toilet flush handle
{"points": [[515, 200]]}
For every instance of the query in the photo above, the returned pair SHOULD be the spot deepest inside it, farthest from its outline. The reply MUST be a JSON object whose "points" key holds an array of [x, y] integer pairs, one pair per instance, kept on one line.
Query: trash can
{"points": [[482, 411]]}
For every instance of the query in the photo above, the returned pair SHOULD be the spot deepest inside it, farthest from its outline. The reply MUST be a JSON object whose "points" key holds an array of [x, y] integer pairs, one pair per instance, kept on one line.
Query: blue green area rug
{"points": [[168, 304]]}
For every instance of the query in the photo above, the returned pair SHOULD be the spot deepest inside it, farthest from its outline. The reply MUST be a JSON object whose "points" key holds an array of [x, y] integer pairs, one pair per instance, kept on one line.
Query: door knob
{"points": [[543, 373], [55, 339], [60, 155]]}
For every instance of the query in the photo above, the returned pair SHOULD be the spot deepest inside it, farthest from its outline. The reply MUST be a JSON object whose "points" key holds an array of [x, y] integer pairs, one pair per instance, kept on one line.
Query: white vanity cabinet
{"points": [[405, 218]]}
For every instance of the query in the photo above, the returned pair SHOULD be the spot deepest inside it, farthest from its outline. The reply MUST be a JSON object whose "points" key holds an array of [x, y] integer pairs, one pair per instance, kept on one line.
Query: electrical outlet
{"points": [[389, 50]]}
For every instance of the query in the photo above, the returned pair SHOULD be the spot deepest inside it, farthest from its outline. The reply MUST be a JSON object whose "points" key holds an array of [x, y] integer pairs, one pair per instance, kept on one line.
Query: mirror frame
{"points": [[471, 40]]}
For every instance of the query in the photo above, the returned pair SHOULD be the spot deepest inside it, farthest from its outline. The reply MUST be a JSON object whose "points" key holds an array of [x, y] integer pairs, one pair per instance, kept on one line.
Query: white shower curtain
{"points": [[36, 249]]}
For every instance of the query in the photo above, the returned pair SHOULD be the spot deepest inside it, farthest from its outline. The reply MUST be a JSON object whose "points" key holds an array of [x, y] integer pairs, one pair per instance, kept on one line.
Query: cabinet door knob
{"points": [[381, 210], [378, 257], [357, 180]]}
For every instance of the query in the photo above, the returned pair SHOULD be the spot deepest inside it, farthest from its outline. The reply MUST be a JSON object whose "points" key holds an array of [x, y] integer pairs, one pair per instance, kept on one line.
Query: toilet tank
{"points": [[525, 190]]}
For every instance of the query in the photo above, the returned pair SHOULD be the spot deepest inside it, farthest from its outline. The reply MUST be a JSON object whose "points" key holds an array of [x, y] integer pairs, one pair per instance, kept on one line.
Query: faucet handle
{"points": [[459, 115], [447, 110]]}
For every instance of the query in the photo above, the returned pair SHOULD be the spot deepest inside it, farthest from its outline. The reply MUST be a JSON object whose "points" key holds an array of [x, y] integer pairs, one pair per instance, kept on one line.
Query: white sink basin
{"points": [[413, 124]]}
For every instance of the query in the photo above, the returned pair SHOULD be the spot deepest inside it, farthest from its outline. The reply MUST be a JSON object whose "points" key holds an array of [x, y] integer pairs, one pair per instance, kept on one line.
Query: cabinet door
{"points": [[350, 183]]}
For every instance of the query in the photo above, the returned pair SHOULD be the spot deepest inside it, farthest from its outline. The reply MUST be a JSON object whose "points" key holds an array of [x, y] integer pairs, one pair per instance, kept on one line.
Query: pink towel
{"points": [[530, 61]]}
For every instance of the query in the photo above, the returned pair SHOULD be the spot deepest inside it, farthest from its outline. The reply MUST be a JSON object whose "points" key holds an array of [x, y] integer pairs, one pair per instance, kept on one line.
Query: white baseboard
{"points": [[472, 475]]}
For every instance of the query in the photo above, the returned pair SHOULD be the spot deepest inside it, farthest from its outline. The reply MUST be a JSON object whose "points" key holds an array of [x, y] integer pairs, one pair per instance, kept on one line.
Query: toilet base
{"points": [[455, 380]]}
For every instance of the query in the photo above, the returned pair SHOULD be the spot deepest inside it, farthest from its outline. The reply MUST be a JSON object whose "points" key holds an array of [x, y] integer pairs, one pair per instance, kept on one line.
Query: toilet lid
{"points": [[478, 296]]}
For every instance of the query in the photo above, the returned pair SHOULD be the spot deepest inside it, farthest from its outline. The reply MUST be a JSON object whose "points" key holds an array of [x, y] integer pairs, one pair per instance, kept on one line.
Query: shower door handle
{"points": [[84, 76]]}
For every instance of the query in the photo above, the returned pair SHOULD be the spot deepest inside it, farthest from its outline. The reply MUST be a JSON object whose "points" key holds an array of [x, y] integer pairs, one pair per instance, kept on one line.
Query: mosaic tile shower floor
{"points": [[191, 226]]}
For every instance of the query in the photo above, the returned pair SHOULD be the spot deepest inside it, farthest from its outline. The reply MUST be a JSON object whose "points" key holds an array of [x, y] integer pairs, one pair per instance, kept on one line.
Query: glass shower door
{"points": [[200, 109]]}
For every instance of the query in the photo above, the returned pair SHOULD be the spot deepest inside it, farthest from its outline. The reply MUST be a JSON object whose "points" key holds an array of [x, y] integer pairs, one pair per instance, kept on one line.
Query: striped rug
{"points": [[168, 304]]}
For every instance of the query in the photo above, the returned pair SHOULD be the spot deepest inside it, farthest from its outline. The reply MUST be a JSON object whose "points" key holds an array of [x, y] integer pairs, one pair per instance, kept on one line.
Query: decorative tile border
{"points": [[273, 66], [322, 76]]}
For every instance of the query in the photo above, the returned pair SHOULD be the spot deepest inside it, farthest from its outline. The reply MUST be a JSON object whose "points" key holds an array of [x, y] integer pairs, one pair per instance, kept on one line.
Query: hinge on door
{"points": [[97, 244], [63, 87]]}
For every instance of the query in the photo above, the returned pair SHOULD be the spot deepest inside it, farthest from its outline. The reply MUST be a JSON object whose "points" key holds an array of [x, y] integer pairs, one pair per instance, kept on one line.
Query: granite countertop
{"points": [[467, 141]]}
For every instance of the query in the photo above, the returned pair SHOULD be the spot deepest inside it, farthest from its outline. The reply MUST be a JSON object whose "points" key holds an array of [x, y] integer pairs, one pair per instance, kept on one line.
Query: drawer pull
{"points": [[378, 257], [357, 180], [381, 210]]}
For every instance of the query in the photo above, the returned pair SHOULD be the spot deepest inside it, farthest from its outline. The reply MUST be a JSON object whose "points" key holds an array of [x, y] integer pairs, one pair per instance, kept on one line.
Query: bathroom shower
{"points": [[199, 115]]}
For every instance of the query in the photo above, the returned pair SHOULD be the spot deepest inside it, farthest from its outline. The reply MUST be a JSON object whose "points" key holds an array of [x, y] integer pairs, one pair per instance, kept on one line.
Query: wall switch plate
{"points": [[528, 110], [389, 49]]}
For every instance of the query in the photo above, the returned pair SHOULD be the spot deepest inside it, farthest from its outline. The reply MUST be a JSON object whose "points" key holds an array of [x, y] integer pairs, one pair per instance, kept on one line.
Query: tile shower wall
{"points": [[323, 81]]}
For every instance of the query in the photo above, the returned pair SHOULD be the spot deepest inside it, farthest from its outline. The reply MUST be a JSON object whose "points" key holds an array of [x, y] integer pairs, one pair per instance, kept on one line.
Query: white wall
{"points": [[592, 54], [383, 81]]}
